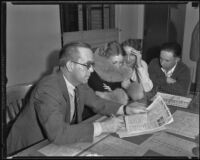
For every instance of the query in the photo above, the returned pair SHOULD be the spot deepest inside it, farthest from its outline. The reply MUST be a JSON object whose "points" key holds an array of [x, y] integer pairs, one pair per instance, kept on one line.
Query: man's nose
{"points": [[91, 69], [162, 63]]}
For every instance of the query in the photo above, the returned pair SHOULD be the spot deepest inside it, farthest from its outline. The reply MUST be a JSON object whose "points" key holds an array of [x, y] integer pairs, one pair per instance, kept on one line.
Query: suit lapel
{"points": [[64, 90], [175, 70]]}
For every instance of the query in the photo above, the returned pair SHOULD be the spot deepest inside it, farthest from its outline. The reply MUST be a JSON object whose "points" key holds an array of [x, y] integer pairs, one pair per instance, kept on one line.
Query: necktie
{"points": [[76, 100]]}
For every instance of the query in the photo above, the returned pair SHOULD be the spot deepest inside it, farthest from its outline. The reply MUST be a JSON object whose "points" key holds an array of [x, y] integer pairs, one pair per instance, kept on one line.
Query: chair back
{"points": [[15, 100]]}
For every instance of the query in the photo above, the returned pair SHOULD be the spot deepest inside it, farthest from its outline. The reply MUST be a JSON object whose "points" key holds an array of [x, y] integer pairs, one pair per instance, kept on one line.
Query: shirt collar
{"points": [[70, 87], [170, 72]]}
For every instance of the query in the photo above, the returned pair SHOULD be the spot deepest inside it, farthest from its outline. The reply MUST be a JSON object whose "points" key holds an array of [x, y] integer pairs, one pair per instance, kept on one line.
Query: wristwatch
{"points": [[124, 109]]}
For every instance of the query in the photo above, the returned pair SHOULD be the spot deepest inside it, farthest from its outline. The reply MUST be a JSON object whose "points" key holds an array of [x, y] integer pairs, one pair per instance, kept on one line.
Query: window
{"points": [[83, 17]]}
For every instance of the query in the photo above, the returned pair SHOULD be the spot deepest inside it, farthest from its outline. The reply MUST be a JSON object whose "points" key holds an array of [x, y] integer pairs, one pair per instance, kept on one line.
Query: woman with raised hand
{"points": [[133, 58]]}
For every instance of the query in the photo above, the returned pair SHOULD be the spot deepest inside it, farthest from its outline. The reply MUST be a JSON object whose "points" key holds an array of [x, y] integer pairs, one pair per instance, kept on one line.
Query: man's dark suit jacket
{"points": [[181, 74], [47, 115]]}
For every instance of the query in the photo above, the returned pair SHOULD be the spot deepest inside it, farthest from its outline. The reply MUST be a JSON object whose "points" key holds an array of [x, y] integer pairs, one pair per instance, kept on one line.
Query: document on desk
{"points": [[156, 118], [174, 100], [70, 149], [167, 145], [113, 146], [185, 124]]}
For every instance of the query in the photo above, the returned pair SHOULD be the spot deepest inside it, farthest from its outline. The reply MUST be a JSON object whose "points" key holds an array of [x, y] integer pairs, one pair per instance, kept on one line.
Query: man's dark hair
{"points": [[70, 52], [173, 47]]}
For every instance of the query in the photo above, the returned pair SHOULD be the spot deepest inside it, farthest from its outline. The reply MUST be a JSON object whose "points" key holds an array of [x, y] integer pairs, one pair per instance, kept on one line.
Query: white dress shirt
{"points": [[97, 125], [170, 72], [70, 89]]}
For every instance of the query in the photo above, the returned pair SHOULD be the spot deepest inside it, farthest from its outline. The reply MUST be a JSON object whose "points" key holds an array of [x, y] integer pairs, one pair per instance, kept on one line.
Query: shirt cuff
{"points": [[97, 129], [120, 110], [141, 68]]}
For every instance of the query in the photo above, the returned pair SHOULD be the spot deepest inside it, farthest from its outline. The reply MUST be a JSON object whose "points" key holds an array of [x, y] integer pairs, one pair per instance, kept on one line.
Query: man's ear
{"points": [[69, 66], [177, 59]]}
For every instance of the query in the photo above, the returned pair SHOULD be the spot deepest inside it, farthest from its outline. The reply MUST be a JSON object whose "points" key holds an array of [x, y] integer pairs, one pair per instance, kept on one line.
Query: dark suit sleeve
{"points": [[98, 104], [158, 78], [51, 110], [181, 74]]}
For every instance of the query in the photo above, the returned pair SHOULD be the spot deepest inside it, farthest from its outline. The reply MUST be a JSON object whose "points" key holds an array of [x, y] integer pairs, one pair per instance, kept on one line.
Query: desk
{"points": [[112, 145]]}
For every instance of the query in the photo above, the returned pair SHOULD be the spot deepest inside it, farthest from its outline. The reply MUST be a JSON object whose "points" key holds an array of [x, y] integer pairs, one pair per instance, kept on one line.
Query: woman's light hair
{"points": [[112, 48]]}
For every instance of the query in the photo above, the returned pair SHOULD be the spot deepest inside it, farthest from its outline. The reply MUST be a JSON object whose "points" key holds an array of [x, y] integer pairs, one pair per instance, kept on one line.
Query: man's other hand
{"points": [[135, 107], [112, 124]]}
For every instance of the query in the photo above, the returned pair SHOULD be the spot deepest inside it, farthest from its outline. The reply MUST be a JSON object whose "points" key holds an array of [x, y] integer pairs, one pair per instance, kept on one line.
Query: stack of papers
{"points": [[113, 146], [185, 124], [174, 100], [167, 145]]}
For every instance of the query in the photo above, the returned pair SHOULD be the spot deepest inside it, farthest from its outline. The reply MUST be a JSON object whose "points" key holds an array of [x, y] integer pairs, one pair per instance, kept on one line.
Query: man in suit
{"points": [[55, 112], [168, 73]]}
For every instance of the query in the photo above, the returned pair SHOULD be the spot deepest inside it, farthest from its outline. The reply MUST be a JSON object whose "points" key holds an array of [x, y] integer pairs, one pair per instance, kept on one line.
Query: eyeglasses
{"points": [[117, 62], [88, 65]]}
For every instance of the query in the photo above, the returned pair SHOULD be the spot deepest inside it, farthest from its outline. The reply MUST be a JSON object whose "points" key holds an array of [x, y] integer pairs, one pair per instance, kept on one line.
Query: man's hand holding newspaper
{"points": [[156, 117]]}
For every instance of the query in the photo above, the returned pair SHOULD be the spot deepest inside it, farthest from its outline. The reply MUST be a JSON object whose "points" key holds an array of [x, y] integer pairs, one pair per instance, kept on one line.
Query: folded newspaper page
{"points": [[155, 119], [174, 100]]}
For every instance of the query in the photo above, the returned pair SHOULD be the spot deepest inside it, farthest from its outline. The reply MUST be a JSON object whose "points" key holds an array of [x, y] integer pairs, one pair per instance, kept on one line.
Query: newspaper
{"points": [[167, 145], [156, 118], [185, 124], [174, 100]]}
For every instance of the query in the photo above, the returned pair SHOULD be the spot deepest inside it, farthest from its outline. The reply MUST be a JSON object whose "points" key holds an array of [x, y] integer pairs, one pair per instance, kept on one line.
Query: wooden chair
{"points": [[15, 100]]}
